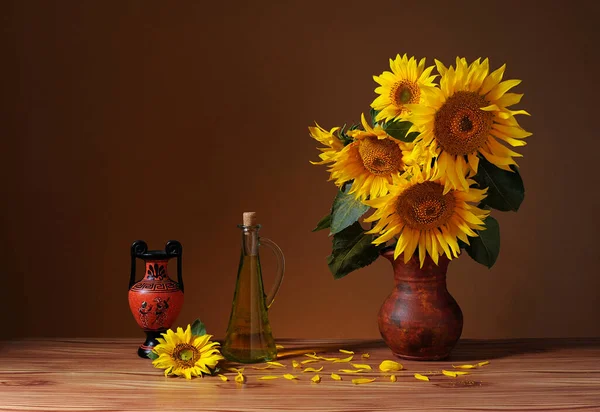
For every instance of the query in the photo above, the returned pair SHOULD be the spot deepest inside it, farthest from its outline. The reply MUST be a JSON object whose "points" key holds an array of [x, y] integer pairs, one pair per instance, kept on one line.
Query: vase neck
{"points": [[412, 271], [156, 270]]}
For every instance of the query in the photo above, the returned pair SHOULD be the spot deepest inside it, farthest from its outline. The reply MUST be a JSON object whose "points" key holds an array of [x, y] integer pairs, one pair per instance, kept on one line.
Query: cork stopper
{"points": [[249, 219]]}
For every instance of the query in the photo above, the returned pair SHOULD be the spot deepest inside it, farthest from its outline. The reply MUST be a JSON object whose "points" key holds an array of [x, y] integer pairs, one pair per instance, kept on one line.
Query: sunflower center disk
{"points": [[380, 156], [424, 206], [185, 355], [405, 92], [460, 126]]}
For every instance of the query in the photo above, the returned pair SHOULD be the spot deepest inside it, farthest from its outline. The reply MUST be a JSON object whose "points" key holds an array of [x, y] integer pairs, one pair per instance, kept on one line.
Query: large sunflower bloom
{"points": [[184, 354], [370, 161], [467, 116], [403, 85], [329, 139], [421, 215]]}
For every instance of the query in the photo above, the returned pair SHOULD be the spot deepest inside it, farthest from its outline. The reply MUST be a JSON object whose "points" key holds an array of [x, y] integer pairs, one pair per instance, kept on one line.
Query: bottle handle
{"points": [[280, 268], [174, 249], [139, 247]]}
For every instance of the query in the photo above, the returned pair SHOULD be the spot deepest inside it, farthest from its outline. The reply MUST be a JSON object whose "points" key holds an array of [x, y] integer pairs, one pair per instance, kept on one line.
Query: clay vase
{"points": [[420, 320], [156, 300]]}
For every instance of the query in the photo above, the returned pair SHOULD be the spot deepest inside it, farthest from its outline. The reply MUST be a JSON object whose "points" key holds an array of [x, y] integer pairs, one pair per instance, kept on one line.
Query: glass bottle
{"points": [[249, 338]]}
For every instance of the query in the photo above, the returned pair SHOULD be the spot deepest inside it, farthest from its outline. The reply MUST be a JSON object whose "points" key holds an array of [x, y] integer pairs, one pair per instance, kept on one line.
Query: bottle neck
{"points": [[250, 240]]}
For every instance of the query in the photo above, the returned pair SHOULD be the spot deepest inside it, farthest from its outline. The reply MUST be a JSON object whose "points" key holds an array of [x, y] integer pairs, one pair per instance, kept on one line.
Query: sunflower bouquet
{"points": [[427, 169]]}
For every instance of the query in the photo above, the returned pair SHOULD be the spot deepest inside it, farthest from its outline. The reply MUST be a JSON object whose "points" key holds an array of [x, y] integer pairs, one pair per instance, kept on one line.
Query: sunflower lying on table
{"points": [[432, 164]]}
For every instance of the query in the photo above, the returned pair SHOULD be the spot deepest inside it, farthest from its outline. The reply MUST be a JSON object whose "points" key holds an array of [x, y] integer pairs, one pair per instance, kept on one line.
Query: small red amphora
{"points": [[156, 300], [420, 320]]}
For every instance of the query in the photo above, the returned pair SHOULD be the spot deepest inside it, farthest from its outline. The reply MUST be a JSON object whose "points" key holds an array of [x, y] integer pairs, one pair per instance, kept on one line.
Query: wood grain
{"points": [[107, 375]]}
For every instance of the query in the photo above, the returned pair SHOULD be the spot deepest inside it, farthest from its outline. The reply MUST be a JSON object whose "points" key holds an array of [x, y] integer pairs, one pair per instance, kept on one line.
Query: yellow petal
{"points": [[309, 361], [316, 379], [362, 366], [240, 378], [262, 367], [340, 360], [313, 356], [393, 378], [458, 373], [365, 356], [336, 377], [268, 377], [421, 377], [236, 370], [349, 352], [223, 377], [279, 346], [390, 366], [449, 373], [352, 370], [289, 376], [280, 365], [313, 369], [464, 366], [483, 363], [360, 381], [296, 364]]}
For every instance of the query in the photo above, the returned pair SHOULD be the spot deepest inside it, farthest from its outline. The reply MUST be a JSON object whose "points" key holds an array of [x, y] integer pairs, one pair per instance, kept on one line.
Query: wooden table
{"points": [[106, 375]]}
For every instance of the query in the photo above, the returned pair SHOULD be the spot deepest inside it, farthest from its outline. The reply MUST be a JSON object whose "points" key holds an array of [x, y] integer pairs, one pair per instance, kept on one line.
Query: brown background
{"points": [[167, 120]]}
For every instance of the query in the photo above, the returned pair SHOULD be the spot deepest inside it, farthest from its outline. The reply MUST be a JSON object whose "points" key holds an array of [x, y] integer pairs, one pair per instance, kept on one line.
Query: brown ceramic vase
{"points": [[420, 320]]}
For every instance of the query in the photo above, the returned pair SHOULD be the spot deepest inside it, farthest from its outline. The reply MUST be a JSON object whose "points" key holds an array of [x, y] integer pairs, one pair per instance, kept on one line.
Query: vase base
{"points": [[149, 344], [422, 358]]}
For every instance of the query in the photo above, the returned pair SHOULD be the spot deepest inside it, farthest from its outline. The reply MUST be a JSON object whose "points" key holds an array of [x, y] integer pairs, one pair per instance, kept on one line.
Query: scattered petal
{"points": [[289, 376], [421, 377], [236, 370], [352, 370], [393, 378], [313, 369], [240, 378], [464, 366], [336, 377], [449, 373], [279, 347], [309, 361], [268, 377], [316, 379], [313, 356], [223, 377], [360, 381], [390, 366], [458, 373], [281, 365], [365, 356], [483, 363], [262, 367], [348, 352], [340, 360], [362, 366], [296, 364]]}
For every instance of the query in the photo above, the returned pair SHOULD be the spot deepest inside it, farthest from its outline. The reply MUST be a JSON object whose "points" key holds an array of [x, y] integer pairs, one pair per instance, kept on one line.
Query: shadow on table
{"points": [[466, 350]]}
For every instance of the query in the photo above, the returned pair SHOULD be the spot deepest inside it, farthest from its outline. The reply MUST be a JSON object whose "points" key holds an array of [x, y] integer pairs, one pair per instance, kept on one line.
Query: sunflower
{"points": [[184, 354], [370, 161], [329, 139], [420, 214], [404, 85], [467, 116]]}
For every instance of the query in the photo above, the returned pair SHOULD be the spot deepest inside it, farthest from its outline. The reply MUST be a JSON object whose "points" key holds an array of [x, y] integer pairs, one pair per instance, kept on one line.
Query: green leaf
{"points": [[152, 355], [352, 250], [399, 130], [346, 210], [373, 114], [198, 328], [485, 248], [505, 189], [323, 223]]}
